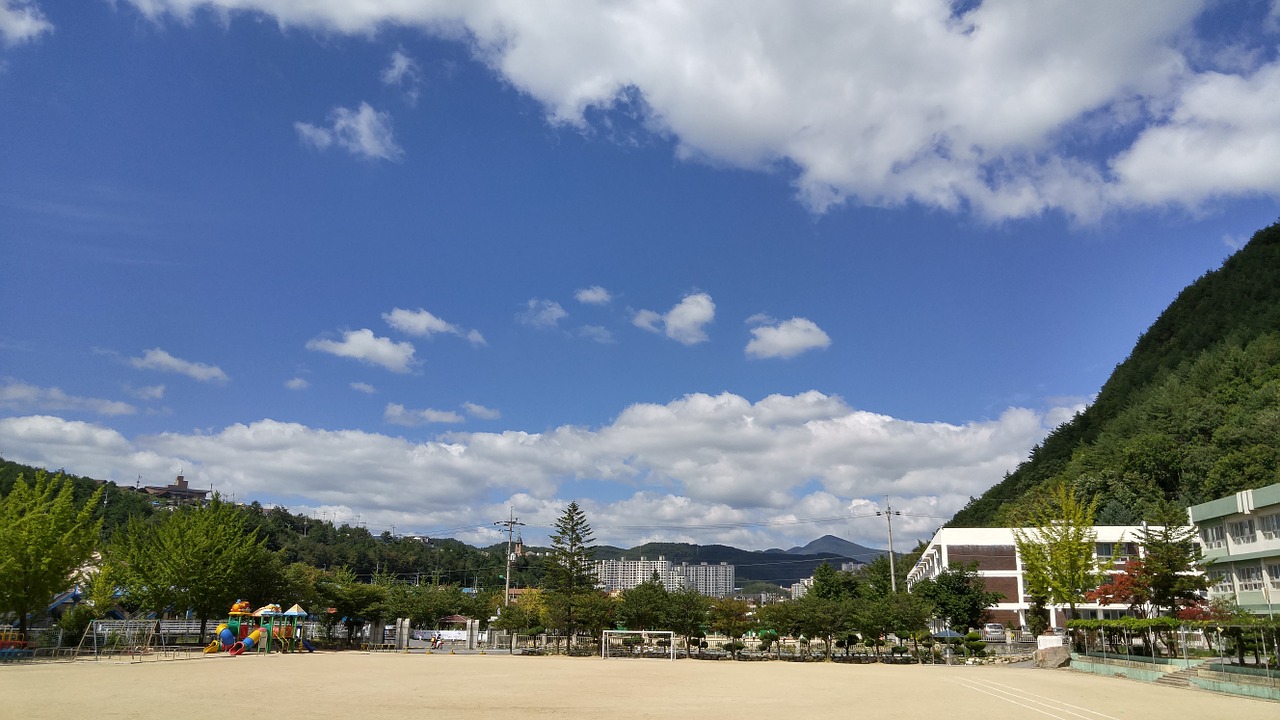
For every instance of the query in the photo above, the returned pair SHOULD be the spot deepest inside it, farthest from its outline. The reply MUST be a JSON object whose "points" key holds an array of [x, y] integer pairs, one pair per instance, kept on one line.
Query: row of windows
{"points": [[1243, 532], [1247, 578]]}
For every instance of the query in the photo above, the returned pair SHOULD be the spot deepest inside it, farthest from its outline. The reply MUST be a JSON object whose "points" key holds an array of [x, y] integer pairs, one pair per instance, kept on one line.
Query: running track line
{"points": [[1015, 696]]}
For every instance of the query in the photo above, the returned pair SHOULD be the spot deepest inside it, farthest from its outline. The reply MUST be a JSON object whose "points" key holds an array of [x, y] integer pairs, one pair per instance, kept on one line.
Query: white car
{"points": [[993, 632]]}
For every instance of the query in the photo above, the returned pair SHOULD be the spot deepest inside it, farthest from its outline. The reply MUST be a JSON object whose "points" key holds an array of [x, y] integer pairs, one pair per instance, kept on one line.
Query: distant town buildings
{"points": [[713, 580]]}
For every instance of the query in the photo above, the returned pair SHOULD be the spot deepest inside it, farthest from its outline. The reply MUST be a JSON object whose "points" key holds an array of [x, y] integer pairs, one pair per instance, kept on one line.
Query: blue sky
{"points": [[721, 273]]}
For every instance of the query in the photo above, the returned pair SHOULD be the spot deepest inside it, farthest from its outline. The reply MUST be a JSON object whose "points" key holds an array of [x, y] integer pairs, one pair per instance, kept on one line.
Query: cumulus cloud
{"points": [[397, 414], [364, 387], [542, 314], [366, 347], [421, 323], [364, 132], [297, 383], [403, 72], [594, 295], [157, 359], [418, 322], [27, 398], [683, 323], [772, 339], [1006, 108], [702, 461], [480, 411], [22, 21]]}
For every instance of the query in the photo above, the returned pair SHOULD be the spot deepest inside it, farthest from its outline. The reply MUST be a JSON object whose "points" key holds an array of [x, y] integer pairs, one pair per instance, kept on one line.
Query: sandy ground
{"points": [[358, 685]]}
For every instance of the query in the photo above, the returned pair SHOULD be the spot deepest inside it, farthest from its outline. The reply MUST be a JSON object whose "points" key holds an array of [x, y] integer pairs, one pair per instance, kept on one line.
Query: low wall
{"points": [[1234, 683], [1118, 668]]}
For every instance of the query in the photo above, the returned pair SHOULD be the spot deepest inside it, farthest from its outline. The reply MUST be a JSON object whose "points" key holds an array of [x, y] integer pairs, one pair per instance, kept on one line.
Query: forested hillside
{"points": [[1193, 413]]}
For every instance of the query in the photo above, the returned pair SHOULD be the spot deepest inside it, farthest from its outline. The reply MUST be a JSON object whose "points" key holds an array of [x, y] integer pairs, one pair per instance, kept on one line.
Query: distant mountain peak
{"points": [[832, 545]]}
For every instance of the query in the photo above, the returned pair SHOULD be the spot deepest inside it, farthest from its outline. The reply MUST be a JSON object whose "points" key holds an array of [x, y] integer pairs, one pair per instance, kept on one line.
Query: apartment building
{"points": [[713, 580]]}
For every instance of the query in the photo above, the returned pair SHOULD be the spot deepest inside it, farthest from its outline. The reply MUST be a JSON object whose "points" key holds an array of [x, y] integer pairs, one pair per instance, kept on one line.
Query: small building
{"points": [[1240, 538], [178, 492]]}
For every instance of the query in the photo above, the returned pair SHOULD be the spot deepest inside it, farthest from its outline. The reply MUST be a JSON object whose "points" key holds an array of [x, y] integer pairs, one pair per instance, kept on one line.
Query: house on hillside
{"points": [[1240, 538], [999, 565], [177, 493]]}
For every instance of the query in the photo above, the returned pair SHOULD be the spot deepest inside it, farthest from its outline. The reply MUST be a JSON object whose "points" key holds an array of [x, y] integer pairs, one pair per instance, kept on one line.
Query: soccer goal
{"points": [[638, 644]]}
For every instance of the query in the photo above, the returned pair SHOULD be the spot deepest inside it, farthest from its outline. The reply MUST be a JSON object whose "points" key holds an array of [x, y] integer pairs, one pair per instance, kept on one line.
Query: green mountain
{"points": [[1192, 414]]}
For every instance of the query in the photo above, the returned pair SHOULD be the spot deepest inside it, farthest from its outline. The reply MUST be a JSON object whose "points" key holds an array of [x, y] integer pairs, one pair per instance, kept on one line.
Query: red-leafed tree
{"points": [[1130, 587]]}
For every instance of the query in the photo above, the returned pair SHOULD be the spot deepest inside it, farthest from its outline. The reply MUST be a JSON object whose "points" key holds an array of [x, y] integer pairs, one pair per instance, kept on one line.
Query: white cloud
{"points": [[157, 359], [364, 132], [364, 387], [542, 314], [683, 323], [594, 295], [403, 72], [26, 398], [699, 460], [785, 339], [480, 411], [421, 323], [146, 392], [596, 333], [1007, 108], [396, 414], [1218, 140], [297, 383], [22, 21], [366, 347], [418, 322]]}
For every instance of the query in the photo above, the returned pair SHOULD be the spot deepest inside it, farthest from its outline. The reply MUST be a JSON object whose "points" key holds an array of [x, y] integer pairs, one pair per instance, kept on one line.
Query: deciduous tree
{"points": [[45, 537], [1058, 550], [198, 558]]}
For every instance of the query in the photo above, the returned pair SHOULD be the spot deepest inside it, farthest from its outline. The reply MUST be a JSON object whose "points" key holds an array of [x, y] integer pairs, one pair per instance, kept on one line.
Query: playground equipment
{"points": [[260, 630], [14, 646]]}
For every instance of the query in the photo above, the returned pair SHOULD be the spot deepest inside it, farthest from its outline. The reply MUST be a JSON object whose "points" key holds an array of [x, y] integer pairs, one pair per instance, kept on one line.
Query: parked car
{"points": [[993, 632]]}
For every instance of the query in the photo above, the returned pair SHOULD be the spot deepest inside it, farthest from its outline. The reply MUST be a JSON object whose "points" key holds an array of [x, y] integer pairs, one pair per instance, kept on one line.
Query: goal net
{"points": [[638, 644]]}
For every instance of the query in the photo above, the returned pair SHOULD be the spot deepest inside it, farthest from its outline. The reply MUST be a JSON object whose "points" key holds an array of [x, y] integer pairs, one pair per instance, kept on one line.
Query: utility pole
{"points": [[510, 524], [888, 514]]}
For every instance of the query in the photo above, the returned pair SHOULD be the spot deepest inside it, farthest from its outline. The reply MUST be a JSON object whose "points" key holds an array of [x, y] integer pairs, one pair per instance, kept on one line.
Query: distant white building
{"points": [[800, 589], [712, 580], [1000, 567]]}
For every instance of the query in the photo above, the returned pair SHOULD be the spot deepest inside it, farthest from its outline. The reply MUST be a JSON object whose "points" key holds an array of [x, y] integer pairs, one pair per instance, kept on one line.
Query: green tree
{"points": [[45, 537], [687, 612], [731, 617], [1057, 552], [198, 558], [571, 569], [1170, 563], [959, 596], [825, 617], [645, 606]]}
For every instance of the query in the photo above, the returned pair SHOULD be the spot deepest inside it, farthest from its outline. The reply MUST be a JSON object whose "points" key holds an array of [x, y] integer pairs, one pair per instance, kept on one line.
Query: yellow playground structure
{"points": [[262, 630]]}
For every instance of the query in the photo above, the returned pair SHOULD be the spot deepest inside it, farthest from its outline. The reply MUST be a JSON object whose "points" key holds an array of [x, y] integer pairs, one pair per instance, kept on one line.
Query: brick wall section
{"points": [[988, 557]]}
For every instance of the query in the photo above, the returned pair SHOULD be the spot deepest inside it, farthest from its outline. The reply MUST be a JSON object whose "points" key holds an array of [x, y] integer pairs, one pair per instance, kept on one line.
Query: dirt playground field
{"points": [[387, 686]]}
